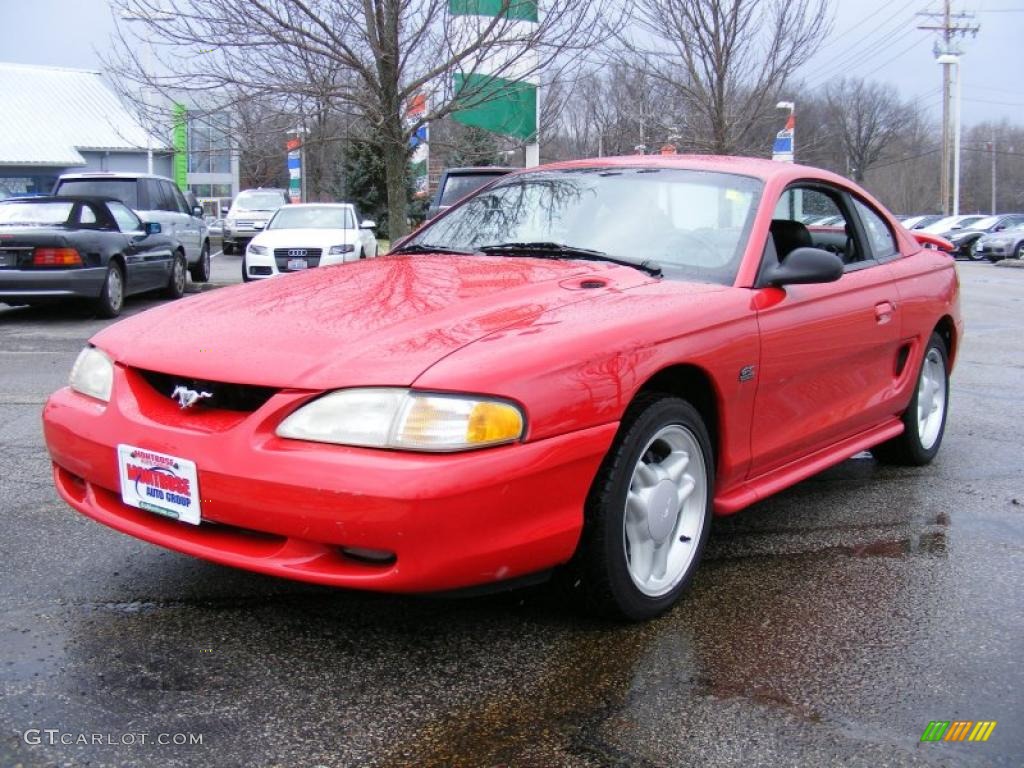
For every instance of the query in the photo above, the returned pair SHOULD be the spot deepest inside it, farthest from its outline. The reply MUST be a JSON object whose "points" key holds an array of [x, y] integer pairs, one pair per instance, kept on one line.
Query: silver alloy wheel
{"points": [[179, 274], [931, 398], [665, 509], [115, 290]]}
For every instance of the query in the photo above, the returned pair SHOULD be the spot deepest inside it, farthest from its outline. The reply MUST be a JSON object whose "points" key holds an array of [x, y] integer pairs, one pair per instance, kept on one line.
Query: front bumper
{"points": [[287, 508], [27, 285]]}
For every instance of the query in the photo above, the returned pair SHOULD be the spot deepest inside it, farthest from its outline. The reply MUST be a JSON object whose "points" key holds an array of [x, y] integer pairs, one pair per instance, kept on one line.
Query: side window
{"points": [[179, 199], [151, 197], [167, 201], [880, 237], [814, 216], [126, 220], [86, 215]]}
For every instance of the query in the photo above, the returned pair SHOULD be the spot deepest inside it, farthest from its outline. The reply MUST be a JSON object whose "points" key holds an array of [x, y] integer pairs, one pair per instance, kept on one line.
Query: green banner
{"points": [[180, 142], [519, 10], [498, 105]]}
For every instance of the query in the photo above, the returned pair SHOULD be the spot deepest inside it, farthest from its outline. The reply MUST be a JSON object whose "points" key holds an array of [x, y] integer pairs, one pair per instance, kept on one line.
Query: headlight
{"points": [[257, 250], [398, 418], [93, 374], [339, 249]]}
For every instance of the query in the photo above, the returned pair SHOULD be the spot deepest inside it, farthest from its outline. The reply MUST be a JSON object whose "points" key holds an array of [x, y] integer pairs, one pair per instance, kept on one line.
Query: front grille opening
{"points": [[223, 396], [248, 533]]}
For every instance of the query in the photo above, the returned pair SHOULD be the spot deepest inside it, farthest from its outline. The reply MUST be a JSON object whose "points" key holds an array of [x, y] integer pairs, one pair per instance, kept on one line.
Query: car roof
{"points": [[63, 199], [123, 175], [760, 168]]}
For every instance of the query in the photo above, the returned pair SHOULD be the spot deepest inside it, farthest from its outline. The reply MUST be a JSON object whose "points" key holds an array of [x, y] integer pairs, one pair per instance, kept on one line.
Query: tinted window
{"points": [[179, 198], [258, 200], [166, 199], [314, 217], [125, 190], [126, 220], [883, 244]]}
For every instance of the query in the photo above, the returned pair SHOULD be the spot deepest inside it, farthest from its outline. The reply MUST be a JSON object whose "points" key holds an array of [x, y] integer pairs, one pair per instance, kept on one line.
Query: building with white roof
{"points": [[55, 120]]}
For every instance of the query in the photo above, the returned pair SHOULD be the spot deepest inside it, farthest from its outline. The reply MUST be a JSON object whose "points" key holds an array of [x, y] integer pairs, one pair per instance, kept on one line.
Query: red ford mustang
{"points": [[576, 366]]}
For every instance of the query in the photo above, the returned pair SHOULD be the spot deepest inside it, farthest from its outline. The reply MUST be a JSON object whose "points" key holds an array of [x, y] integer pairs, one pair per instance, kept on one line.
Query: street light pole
{"points": [[954, 59], [148, 64]]}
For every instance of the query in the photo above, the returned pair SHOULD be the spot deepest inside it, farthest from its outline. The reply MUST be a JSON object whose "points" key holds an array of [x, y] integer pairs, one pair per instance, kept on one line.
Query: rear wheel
{"points": [[111, 298], [649, 511], [973, 253], [1018, 252], [200, 271], [176, 284], [924, 421]]}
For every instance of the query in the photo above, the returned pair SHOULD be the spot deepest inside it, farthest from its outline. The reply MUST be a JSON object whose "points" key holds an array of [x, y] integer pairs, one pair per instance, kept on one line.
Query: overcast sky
{"points": [[870, 38]]}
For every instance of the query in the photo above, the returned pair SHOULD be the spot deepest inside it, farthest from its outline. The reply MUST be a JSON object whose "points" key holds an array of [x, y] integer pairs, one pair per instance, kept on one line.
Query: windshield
{"points": [[258, 201], [987, 223], [125, 190], [301, 217], [39, 214], [459, 186], [694, 224]]}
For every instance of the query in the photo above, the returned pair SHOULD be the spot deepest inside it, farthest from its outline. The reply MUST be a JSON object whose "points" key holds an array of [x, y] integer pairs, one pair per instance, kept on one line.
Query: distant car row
{"points": [[976, 236]]}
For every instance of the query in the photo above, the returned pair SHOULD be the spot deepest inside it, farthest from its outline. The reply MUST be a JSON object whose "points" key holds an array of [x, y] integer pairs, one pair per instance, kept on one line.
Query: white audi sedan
{"points": [[304, 236]]}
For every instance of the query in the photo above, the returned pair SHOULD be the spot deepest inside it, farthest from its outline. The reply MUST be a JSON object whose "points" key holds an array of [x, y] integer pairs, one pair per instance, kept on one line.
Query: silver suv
{"points": [[249, 215], [153, 198]]}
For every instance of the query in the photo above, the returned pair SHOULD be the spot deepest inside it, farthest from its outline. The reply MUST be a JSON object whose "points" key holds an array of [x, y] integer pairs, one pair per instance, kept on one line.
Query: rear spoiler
{"points": [[933, 241]]}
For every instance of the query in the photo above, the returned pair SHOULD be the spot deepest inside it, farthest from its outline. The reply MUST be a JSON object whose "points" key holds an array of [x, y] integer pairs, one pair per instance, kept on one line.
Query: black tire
{"points": [[1018, 252], [972, 253], [175, 288], [200, 271], [228, 249], [908, 448], [601, 567], [111, 298]]}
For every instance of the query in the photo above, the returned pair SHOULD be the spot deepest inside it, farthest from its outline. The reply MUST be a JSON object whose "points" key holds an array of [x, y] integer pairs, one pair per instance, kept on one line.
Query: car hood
{"points": [[377, 322], [304, 238]]}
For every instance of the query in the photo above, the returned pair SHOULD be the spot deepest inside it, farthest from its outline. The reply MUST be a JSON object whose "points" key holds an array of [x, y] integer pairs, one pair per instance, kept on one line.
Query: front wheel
{"points": [[200, 271], [973, 253], [1018, 252], [649, 511], [924, 421]]}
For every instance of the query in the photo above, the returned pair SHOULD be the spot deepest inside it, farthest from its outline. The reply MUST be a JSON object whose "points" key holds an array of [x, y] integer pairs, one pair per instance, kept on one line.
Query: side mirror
{"points": [[259, 224], [152, 228], [197, 210], [368, 224], [807, 265]]}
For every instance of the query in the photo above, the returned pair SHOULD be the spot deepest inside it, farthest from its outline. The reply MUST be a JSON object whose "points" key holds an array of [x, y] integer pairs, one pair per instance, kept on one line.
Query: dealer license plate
{"points": [[294, 264], [156, 482]]}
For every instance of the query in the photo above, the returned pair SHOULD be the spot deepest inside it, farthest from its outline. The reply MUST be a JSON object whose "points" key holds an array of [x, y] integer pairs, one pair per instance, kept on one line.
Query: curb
{"points": [[1011, 263], [203, 287]]}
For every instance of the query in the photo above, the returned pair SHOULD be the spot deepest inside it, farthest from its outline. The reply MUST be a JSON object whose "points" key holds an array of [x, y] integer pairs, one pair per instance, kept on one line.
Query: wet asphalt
{"points": [[827, 626]]}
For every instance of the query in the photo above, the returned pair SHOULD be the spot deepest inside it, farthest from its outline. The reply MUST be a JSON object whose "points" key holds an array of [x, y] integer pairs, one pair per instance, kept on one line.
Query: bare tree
{"points": [[868, 116], [369, 57], [725, 60]]}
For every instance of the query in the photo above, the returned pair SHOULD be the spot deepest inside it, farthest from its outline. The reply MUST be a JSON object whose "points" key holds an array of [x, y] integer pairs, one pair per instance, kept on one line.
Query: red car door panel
{"points": [[827, 367]]}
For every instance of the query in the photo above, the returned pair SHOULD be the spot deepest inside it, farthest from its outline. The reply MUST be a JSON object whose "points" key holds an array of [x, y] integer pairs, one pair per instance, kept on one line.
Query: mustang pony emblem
{"points": [[188, 397]]}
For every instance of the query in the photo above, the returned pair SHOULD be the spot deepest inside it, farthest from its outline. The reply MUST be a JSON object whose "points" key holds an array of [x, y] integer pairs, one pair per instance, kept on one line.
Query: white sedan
{"points": [[303, 236]]}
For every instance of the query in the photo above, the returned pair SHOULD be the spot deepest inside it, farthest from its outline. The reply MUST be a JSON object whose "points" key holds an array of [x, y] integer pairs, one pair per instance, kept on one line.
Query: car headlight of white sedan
{"points": [[257, 250], [93, 374], [337, 250], [401, 419]]}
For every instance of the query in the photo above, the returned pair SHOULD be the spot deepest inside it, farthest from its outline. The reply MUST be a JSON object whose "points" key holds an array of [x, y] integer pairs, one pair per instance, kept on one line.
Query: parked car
{"points": [[920, 221], [153, 198], [457, 183], [55, 248], [950, 224], [572, 369], [966, 238], [304, 236], [1006, 244], [249, 214]]}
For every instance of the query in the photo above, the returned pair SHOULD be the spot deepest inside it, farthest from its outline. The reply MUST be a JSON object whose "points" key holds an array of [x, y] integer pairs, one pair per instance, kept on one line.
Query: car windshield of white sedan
{"points": [[35, 214], [258, 201], [301, 217], [691, 224]]}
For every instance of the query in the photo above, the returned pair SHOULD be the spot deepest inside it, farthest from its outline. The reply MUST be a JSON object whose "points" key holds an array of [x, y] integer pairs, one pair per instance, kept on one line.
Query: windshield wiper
{"points": [[562, 251], [428, 248]]}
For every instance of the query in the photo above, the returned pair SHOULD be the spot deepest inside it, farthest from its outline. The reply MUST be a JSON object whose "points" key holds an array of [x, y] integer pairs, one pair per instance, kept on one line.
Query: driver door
{"points": [[828, 351]]}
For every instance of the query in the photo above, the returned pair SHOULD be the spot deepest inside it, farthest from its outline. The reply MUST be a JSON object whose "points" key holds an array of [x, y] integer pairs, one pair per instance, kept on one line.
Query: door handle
{"points": [[883, 311]]}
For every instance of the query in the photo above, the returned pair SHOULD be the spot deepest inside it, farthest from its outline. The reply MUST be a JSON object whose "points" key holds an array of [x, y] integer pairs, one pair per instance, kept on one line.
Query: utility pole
{"points": [[992, 146], [950, 26]]}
